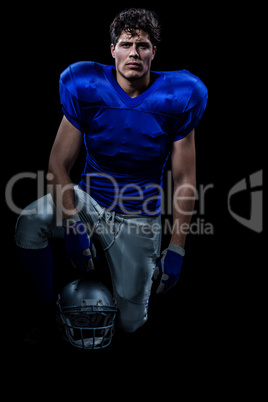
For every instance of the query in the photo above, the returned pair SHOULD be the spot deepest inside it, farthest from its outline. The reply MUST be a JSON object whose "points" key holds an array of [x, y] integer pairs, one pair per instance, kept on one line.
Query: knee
{"points": [[130, 326], [31, 229], [131, 316]]}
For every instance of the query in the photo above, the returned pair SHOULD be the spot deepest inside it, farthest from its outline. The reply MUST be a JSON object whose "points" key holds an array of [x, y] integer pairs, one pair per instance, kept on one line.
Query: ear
{"points": [[154, 52], [112, 50]]}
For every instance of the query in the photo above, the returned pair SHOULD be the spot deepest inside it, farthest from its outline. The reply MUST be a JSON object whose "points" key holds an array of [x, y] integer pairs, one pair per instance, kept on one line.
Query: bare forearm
{"points": [[61, 189], [183, 207], [62, 157]]}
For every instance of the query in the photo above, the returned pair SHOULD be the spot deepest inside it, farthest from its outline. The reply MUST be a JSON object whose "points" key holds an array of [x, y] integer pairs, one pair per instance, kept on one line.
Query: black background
{"points": [[213, 304]]}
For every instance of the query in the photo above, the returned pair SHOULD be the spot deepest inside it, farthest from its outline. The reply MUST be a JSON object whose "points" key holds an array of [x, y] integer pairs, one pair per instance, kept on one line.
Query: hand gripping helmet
{"points": [[86, 312]]}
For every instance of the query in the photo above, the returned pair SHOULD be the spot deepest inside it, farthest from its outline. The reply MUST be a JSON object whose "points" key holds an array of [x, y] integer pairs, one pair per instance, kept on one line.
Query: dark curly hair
{"points": [[136, 18]]}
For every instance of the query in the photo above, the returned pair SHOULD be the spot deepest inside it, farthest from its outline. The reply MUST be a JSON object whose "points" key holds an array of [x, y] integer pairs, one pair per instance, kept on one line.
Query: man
{"points": [[132, 119]]}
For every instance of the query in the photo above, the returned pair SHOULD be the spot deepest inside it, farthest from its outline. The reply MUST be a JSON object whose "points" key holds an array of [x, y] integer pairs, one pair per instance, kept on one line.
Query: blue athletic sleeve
{"points": [[193, 111], [72, 107]]}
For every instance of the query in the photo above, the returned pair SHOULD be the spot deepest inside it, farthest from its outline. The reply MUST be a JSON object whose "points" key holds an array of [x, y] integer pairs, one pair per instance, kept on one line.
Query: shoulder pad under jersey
{"points": [[182, 91], [80, 79]]}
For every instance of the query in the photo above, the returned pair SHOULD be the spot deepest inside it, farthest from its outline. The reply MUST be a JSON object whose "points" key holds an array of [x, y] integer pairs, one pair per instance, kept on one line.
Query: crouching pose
{"points": [[131, 120]]}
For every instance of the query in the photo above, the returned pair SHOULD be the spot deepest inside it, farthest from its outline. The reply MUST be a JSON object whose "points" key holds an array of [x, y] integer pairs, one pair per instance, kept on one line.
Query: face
{"points": [[133, 55]]}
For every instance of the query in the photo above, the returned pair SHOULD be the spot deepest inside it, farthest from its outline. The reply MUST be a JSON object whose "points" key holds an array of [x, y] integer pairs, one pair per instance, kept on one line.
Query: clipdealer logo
{"points": [[254, 185], [249, 187]]}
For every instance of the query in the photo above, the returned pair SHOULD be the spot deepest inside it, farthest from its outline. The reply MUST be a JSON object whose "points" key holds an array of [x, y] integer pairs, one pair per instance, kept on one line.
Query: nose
{"points": [[134, 51]]}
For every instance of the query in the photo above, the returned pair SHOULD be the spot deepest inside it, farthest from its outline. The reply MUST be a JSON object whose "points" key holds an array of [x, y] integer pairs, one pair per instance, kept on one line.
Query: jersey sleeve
{"points": [[193, 111], [72, 107]]}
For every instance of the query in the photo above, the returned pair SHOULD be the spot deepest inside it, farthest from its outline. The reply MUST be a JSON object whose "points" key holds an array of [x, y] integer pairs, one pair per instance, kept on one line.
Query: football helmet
{"points": [[86, 311]]}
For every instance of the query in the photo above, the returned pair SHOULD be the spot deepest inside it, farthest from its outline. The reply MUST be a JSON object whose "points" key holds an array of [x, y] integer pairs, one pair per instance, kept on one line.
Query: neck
{"points": [[133, 88]]}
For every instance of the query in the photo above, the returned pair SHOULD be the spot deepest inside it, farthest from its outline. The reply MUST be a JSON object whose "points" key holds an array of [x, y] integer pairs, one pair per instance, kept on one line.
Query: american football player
{"points": [[131, 120]]}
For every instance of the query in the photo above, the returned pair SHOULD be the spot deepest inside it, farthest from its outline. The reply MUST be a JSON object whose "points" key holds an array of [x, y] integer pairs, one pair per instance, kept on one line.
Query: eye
{"points": [[144, 46]]}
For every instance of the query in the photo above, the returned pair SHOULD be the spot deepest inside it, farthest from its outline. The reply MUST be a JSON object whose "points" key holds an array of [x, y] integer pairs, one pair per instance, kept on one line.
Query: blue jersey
{"points": [[128, 140]]}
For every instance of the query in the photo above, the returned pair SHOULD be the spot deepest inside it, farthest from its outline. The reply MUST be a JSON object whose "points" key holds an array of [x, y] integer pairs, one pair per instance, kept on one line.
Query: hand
{"points": [[80, 248], [169, 266]]}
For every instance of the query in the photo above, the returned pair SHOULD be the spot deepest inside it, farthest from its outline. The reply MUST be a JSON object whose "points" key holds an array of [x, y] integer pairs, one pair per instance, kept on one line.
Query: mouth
{"points": [[133, 65]]}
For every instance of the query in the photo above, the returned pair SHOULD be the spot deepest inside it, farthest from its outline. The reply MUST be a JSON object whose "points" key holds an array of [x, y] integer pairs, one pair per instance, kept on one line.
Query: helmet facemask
{"points": [[88, 326]]}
